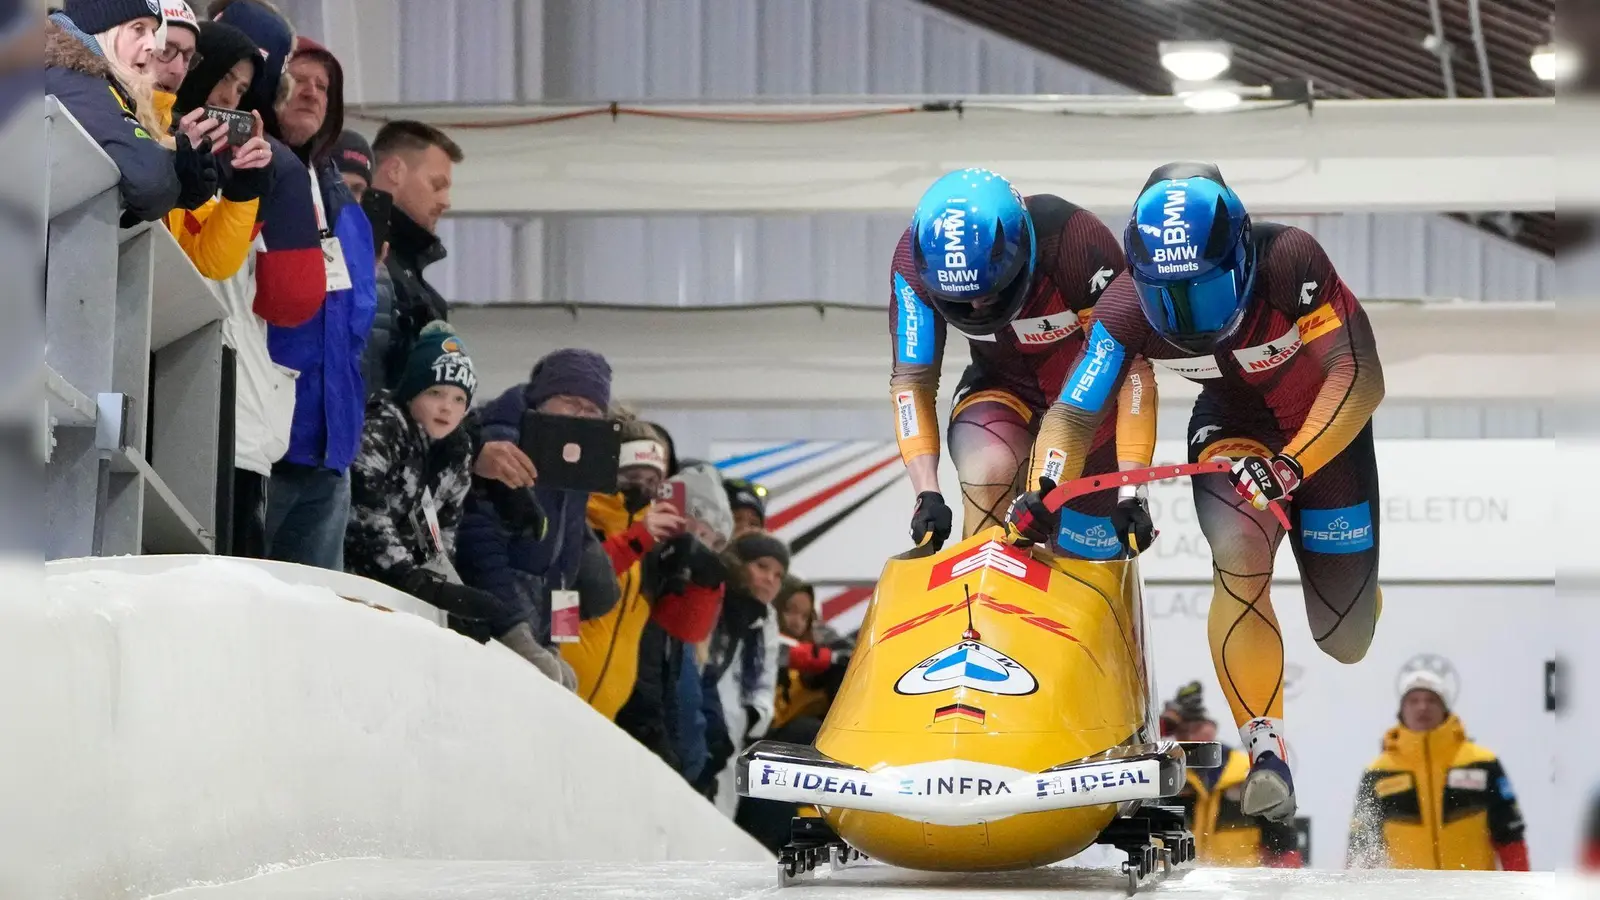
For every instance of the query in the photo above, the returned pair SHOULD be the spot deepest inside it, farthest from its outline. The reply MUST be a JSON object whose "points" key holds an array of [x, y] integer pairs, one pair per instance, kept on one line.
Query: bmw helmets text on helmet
{"points": [[972, 240], [1191, 255]]}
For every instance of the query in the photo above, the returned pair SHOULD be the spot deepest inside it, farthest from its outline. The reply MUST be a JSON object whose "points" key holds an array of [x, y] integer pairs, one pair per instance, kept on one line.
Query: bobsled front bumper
{"points": [[956, 791]]}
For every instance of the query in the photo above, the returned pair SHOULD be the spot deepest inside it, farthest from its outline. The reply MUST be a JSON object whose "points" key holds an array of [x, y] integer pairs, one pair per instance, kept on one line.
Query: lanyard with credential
{"points": [[323, 231], [332, 253]]}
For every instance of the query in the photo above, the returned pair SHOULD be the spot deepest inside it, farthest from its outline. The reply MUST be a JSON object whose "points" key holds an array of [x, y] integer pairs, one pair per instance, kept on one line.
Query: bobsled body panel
{"points": [[983, 660]]}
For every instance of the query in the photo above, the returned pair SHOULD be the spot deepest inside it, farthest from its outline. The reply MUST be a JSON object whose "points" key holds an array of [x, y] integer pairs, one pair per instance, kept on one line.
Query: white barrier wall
{"points": [[209, 722]]}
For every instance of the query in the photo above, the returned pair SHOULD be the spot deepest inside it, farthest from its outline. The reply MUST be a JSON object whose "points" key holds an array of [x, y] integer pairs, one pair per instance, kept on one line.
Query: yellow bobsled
{"points": [[997, 714]]}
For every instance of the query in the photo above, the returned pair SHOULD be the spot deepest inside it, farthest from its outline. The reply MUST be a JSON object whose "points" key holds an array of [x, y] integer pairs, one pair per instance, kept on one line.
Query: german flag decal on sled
{"points": [[959, 711]]}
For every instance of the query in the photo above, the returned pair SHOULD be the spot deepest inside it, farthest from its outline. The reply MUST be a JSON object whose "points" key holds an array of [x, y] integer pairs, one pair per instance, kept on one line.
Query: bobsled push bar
{"points": [[801, 774], [1097, 483]]}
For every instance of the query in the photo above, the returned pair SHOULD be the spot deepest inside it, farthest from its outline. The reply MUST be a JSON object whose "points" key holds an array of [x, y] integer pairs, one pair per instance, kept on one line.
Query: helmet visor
{"points": [[1194, 314]]}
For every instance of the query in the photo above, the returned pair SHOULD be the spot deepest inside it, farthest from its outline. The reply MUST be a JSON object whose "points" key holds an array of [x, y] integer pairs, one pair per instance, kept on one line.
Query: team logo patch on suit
{"points": [[968, 664], [1317, 323], [1002, 558], [1344, 530], [1199, 368], [1092, 537], [1272, 354], [1055, 459], [1090, 383], [1046, 329], [905, 404], [914, 334]]}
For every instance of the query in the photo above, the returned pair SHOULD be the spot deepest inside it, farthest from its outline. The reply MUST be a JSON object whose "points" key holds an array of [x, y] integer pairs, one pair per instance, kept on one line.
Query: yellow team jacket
{"points": [[217, 236], [606, 655], [1223, 834], [798, 699], [1433, 800]]}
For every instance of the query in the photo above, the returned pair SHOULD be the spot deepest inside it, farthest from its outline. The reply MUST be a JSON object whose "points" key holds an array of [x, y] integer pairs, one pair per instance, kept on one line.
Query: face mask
{"points": [[635, 498]]}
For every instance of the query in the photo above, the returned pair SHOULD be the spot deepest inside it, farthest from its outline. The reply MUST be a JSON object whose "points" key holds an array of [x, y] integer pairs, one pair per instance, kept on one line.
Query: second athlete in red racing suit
{"points": [[1016, 277], [1289, 378]]}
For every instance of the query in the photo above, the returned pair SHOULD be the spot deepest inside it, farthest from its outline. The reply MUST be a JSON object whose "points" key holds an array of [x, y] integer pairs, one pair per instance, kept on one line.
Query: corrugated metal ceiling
{"points": [[1348, 48]]}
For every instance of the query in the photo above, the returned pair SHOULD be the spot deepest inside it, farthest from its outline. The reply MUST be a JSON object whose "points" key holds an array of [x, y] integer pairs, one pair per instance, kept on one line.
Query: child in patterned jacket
{"points": [[409, 482]]}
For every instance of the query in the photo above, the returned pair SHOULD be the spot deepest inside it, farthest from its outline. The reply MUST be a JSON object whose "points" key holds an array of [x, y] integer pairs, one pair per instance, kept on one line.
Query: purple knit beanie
{"points": [[581, 373]]}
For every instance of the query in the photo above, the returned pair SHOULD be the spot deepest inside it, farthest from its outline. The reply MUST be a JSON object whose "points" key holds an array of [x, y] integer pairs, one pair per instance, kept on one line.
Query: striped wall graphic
{"points": [[813, 487]]}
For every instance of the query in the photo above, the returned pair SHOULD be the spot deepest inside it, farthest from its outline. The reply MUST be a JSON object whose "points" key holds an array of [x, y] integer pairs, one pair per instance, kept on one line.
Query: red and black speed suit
{"points": [[1299, 377], [1016, 371]]}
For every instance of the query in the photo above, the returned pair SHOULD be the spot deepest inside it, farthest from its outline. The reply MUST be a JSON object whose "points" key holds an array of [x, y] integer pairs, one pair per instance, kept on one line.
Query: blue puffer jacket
{"points": [[330, 396], [514, 564]]}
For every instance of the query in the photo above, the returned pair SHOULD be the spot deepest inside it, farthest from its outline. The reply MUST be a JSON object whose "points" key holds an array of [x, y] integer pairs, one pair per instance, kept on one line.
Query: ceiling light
{"points": [[1553, 62], [1195, 60], [1207, 96]]}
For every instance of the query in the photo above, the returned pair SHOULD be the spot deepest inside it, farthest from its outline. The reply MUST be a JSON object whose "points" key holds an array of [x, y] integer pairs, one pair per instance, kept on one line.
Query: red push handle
{"points": [[1097, 483]]}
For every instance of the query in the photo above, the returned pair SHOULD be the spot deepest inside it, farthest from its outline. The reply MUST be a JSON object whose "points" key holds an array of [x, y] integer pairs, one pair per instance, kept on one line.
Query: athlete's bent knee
{"points": [[1351, 637]]}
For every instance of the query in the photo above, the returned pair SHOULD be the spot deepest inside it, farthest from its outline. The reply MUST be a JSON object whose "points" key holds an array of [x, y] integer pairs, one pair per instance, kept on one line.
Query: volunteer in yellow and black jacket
{"points": [[1223, 834], [1433, 799], [606, 655]]}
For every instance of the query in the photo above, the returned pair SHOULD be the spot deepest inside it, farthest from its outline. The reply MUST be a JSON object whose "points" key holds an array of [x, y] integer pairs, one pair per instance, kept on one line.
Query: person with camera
{"points": [[683, 581], [217, 235], [630, 523], [526, 543]]}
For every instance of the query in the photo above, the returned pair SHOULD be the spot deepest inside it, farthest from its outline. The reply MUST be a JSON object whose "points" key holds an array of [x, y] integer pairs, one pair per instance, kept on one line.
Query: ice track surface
{"points": [[373, 879]]}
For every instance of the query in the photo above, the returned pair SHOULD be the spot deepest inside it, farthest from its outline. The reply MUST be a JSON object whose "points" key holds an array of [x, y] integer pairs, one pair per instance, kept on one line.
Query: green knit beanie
{"points": [[437, 358]]}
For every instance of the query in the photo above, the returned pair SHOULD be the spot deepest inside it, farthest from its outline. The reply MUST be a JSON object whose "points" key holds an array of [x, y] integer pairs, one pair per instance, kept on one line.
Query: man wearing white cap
{"points": [[1434, 799]]}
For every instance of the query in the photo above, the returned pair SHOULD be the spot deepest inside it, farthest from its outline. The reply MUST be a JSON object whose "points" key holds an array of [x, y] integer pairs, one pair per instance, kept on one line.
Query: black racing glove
{"points": [[1132, 517], [470, 609], [198, 175], [930, 520], [1028, 518]]}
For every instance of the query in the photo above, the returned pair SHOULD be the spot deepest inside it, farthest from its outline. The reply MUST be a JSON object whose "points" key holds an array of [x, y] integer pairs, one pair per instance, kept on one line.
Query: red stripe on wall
{"points": [[844, 601], [779, 519]]}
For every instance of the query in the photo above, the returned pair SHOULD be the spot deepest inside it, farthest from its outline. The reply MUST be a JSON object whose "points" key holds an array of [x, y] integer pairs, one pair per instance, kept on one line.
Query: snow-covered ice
{"points": [[421, 880]]}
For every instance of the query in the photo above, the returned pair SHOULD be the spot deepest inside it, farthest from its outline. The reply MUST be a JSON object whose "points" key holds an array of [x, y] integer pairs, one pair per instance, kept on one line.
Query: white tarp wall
{"points": [[212, 721], [1468, 572]]}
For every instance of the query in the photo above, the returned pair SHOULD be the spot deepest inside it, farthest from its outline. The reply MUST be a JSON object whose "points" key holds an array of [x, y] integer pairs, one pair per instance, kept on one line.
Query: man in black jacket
{"points": [[415, 162]]}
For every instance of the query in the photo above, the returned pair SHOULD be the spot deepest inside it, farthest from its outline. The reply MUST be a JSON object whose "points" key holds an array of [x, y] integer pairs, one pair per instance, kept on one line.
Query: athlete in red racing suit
{"points": [[1023, 336], [1289, 378]]}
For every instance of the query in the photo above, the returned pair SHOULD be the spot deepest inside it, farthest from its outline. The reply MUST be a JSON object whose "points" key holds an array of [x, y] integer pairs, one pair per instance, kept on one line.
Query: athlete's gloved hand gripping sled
{"points": [[1289, 376], [1017, 277]]}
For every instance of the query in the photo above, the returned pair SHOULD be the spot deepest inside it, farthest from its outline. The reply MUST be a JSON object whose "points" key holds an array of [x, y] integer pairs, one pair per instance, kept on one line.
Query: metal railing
{"points": [[138, 382]]}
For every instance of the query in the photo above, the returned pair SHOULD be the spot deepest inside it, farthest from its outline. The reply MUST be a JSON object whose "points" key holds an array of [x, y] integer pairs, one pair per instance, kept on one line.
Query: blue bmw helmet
{"points": [[1191, 255], [973, 243]]}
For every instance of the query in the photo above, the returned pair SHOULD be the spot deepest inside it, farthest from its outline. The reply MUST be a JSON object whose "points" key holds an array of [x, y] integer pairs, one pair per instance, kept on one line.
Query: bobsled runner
{"points": [[998, 713]]}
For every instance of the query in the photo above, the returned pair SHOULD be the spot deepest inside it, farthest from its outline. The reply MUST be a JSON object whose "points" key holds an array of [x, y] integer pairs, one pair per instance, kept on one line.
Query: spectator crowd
{"points": [[359, 447], [361, 441]]}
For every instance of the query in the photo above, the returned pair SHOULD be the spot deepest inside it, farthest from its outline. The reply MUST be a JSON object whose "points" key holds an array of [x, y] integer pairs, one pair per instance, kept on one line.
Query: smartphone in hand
{"points": [[241, 125], [673, 494], [378, 205]]}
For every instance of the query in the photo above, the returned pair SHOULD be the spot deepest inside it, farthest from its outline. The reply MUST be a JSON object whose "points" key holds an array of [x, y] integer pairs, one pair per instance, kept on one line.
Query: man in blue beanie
{"points": [[521, 541]]}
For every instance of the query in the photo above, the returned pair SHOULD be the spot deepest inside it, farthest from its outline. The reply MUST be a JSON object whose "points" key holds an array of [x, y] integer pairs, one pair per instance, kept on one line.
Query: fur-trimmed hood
{"points": [[65, 50]]}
